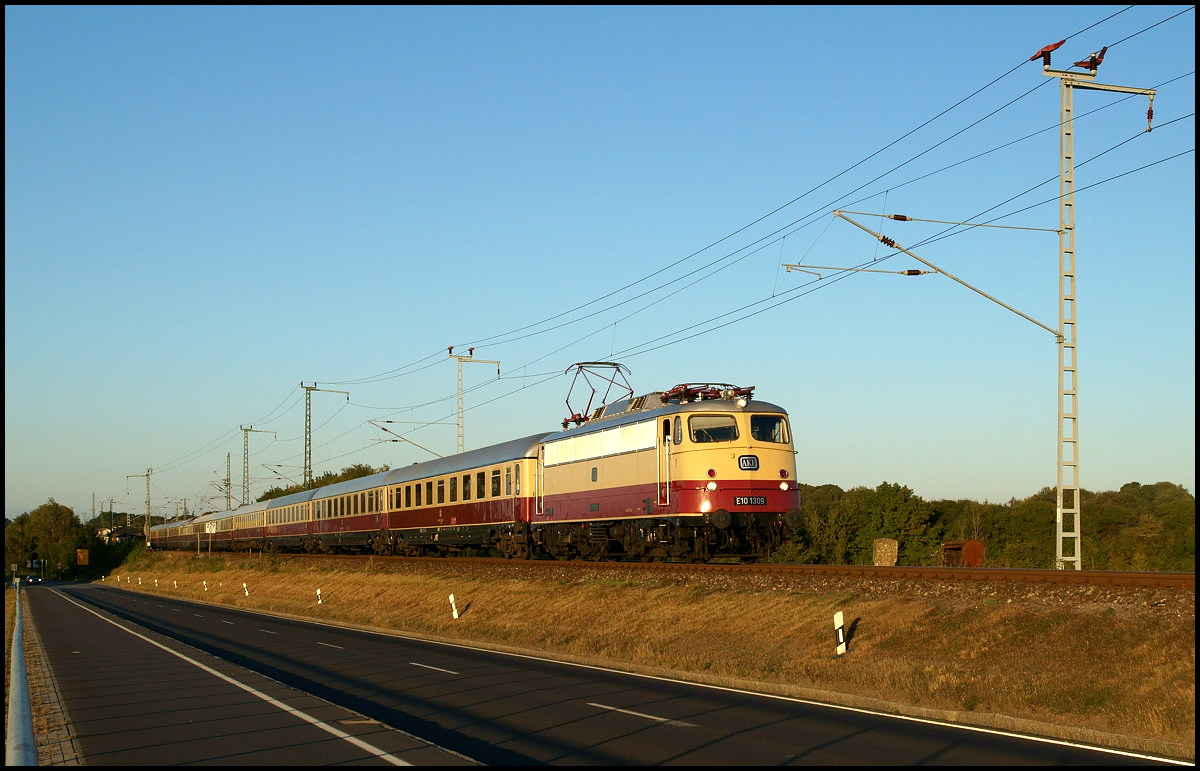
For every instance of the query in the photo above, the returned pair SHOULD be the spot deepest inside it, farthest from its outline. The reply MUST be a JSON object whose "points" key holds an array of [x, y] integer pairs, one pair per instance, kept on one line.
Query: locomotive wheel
{"points": [[722, 519]]}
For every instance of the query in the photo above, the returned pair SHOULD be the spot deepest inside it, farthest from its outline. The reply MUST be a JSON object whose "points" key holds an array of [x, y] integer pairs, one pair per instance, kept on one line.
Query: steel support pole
{"points": [[1068, 537], [308, 436], [1067, 542], [146, 523], [461, 446], [246, 465], [469, 358]]}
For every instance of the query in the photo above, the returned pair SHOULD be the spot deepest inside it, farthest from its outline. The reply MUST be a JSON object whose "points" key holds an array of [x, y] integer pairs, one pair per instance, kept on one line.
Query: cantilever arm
{"points": [[892, 244]]}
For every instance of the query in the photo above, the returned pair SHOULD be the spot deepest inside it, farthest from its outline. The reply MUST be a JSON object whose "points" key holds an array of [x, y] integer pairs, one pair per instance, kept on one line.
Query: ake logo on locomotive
{"points": [[748, 462]]}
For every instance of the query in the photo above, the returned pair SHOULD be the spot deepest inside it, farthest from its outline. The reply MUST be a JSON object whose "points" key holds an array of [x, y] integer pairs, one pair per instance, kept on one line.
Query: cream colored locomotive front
{"points": [[700, 458], [738, 461]]}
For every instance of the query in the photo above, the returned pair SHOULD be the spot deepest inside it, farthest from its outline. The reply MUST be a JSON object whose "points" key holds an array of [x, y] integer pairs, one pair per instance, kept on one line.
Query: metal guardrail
{"points": [[20, 747]]}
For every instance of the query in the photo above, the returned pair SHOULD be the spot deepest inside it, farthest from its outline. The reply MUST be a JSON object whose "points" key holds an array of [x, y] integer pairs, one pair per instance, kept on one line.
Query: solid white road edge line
{"points": [[439, 669], [796, 699], [373, 750], [664, 720]]}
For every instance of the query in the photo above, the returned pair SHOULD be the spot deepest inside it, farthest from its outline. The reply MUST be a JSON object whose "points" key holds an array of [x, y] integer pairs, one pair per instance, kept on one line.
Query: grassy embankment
{"points": [[1117, 669]]}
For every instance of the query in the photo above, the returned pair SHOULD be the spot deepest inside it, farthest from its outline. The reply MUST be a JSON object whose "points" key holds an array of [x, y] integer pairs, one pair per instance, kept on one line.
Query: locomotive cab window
{"points": [[768, 428], [678, 431], [713, 428]]}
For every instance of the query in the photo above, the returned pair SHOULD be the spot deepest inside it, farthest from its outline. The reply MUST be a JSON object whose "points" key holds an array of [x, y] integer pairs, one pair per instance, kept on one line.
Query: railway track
{"points": [[983, 575]]}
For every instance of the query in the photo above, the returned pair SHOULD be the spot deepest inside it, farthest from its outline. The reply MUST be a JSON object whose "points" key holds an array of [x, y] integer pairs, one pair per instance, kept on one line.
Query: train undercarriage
{"points": [[698, 538]]}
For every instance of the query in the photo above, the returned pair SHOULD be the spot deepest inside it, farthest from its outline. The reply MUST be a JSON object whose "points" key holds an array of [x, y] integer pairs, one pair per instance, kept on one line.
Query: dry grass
{"points": [[1102, 670]]}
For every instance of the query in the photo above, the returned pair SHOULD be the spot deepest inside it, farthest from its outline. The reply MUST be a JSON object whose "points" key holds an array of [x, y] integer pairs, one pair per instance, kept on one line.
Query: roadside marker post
{"points": [[246, 589], [206, 586], [839, 630], [453, 607], [319, 600]]}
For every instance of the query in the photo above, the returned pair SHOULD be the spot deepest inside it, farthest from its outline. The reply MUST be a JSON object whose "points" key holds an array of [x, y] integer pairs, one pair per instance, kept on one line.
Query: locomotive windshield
{"points": [[768, 428], [713, 428]]}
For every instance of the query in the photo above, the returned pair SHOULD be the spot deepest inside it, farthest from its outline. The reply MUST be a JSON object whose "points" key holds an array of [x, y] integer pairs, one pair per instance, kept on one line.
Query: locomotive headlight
{"points": [[741, 401], [711, 486], [783, 486]]}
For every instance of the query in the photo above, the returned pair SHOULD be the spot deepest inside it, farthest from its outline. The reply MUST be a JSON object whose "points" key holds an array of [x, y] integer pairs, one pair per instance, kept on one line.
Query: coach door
{"points": [[664, 463]]}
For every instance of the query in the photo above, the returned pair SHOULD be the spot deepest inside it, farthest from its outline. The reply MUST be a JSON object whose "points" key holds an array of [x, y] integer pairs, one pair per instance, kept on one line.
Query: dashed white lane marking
{"points": [[177, 610], [327, 645], [157, 605], [664, 720], [197, 615], [439, 669], [268, 631], [227, 622], [369, 748]]}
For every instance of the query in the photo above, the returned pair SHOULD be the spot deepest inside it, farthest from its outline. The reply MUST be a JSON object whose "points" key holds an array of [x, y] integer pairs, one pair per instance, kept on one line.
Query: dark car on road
{"points": [[32, 580]]}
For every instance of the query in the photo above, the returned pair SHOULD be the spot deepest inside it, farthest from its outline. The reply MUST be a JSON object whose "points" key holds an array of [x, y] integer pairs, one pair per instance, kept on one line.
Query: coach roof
{"points": [[304, 496], [484, 456]]}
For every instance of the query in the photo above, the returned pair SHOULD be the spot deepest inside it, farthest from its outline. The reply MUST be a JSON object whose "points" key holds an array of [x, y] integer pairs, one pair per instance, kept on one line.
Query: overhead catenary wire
{"points": [[399, 371], [419, 361]]}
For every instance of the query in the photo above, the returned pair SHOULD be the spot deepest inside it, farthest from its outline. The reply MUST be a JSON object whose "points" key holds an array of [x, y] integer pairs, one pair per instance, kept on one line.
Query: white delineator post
{"points": [[453, 607], [319, 600], [839, 632], [246, 588]]}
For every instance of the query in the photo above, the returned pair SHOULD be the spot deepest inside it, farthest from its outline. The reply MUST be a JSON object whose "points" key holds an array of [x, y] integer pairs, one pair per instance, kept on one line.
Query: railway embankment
{"points": [[1090, 660]]}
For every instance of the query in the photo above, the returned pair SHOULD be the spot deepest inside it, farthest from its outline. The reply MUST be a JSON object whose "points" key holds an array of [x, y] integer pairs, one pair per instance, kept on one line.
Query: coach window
{"points": [[517, 477], [496, 483], [353, 505], [429, 493], [453, 489], [507, 480], [418, 486], [466, 487], [441, 491], [480, 485]]}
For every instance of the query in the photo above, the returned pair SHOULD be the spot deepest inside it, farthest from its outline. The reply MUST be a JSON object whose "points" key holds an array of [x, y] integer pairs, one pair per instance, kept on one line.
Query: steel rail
{"points": [[899, 573]]}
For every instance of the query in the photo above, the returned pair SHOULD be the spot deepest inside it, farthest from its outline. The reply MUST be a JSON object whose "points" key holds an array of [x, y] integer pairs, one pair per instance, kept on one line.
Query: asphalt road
{"points": [[132, 702]]}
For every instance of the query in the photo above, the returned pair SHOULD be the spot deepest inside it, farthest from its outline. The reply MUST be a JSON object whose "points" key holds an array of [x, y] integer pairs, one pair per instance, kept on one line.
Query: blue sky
{"points": [[204, 207]]}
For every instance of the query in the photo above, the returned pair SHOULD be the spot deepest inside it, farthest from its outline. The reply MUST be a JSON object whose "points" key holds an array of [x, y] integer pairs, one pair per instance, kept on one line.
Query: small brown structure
{"points": [[885, 552], [962, 554]]}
